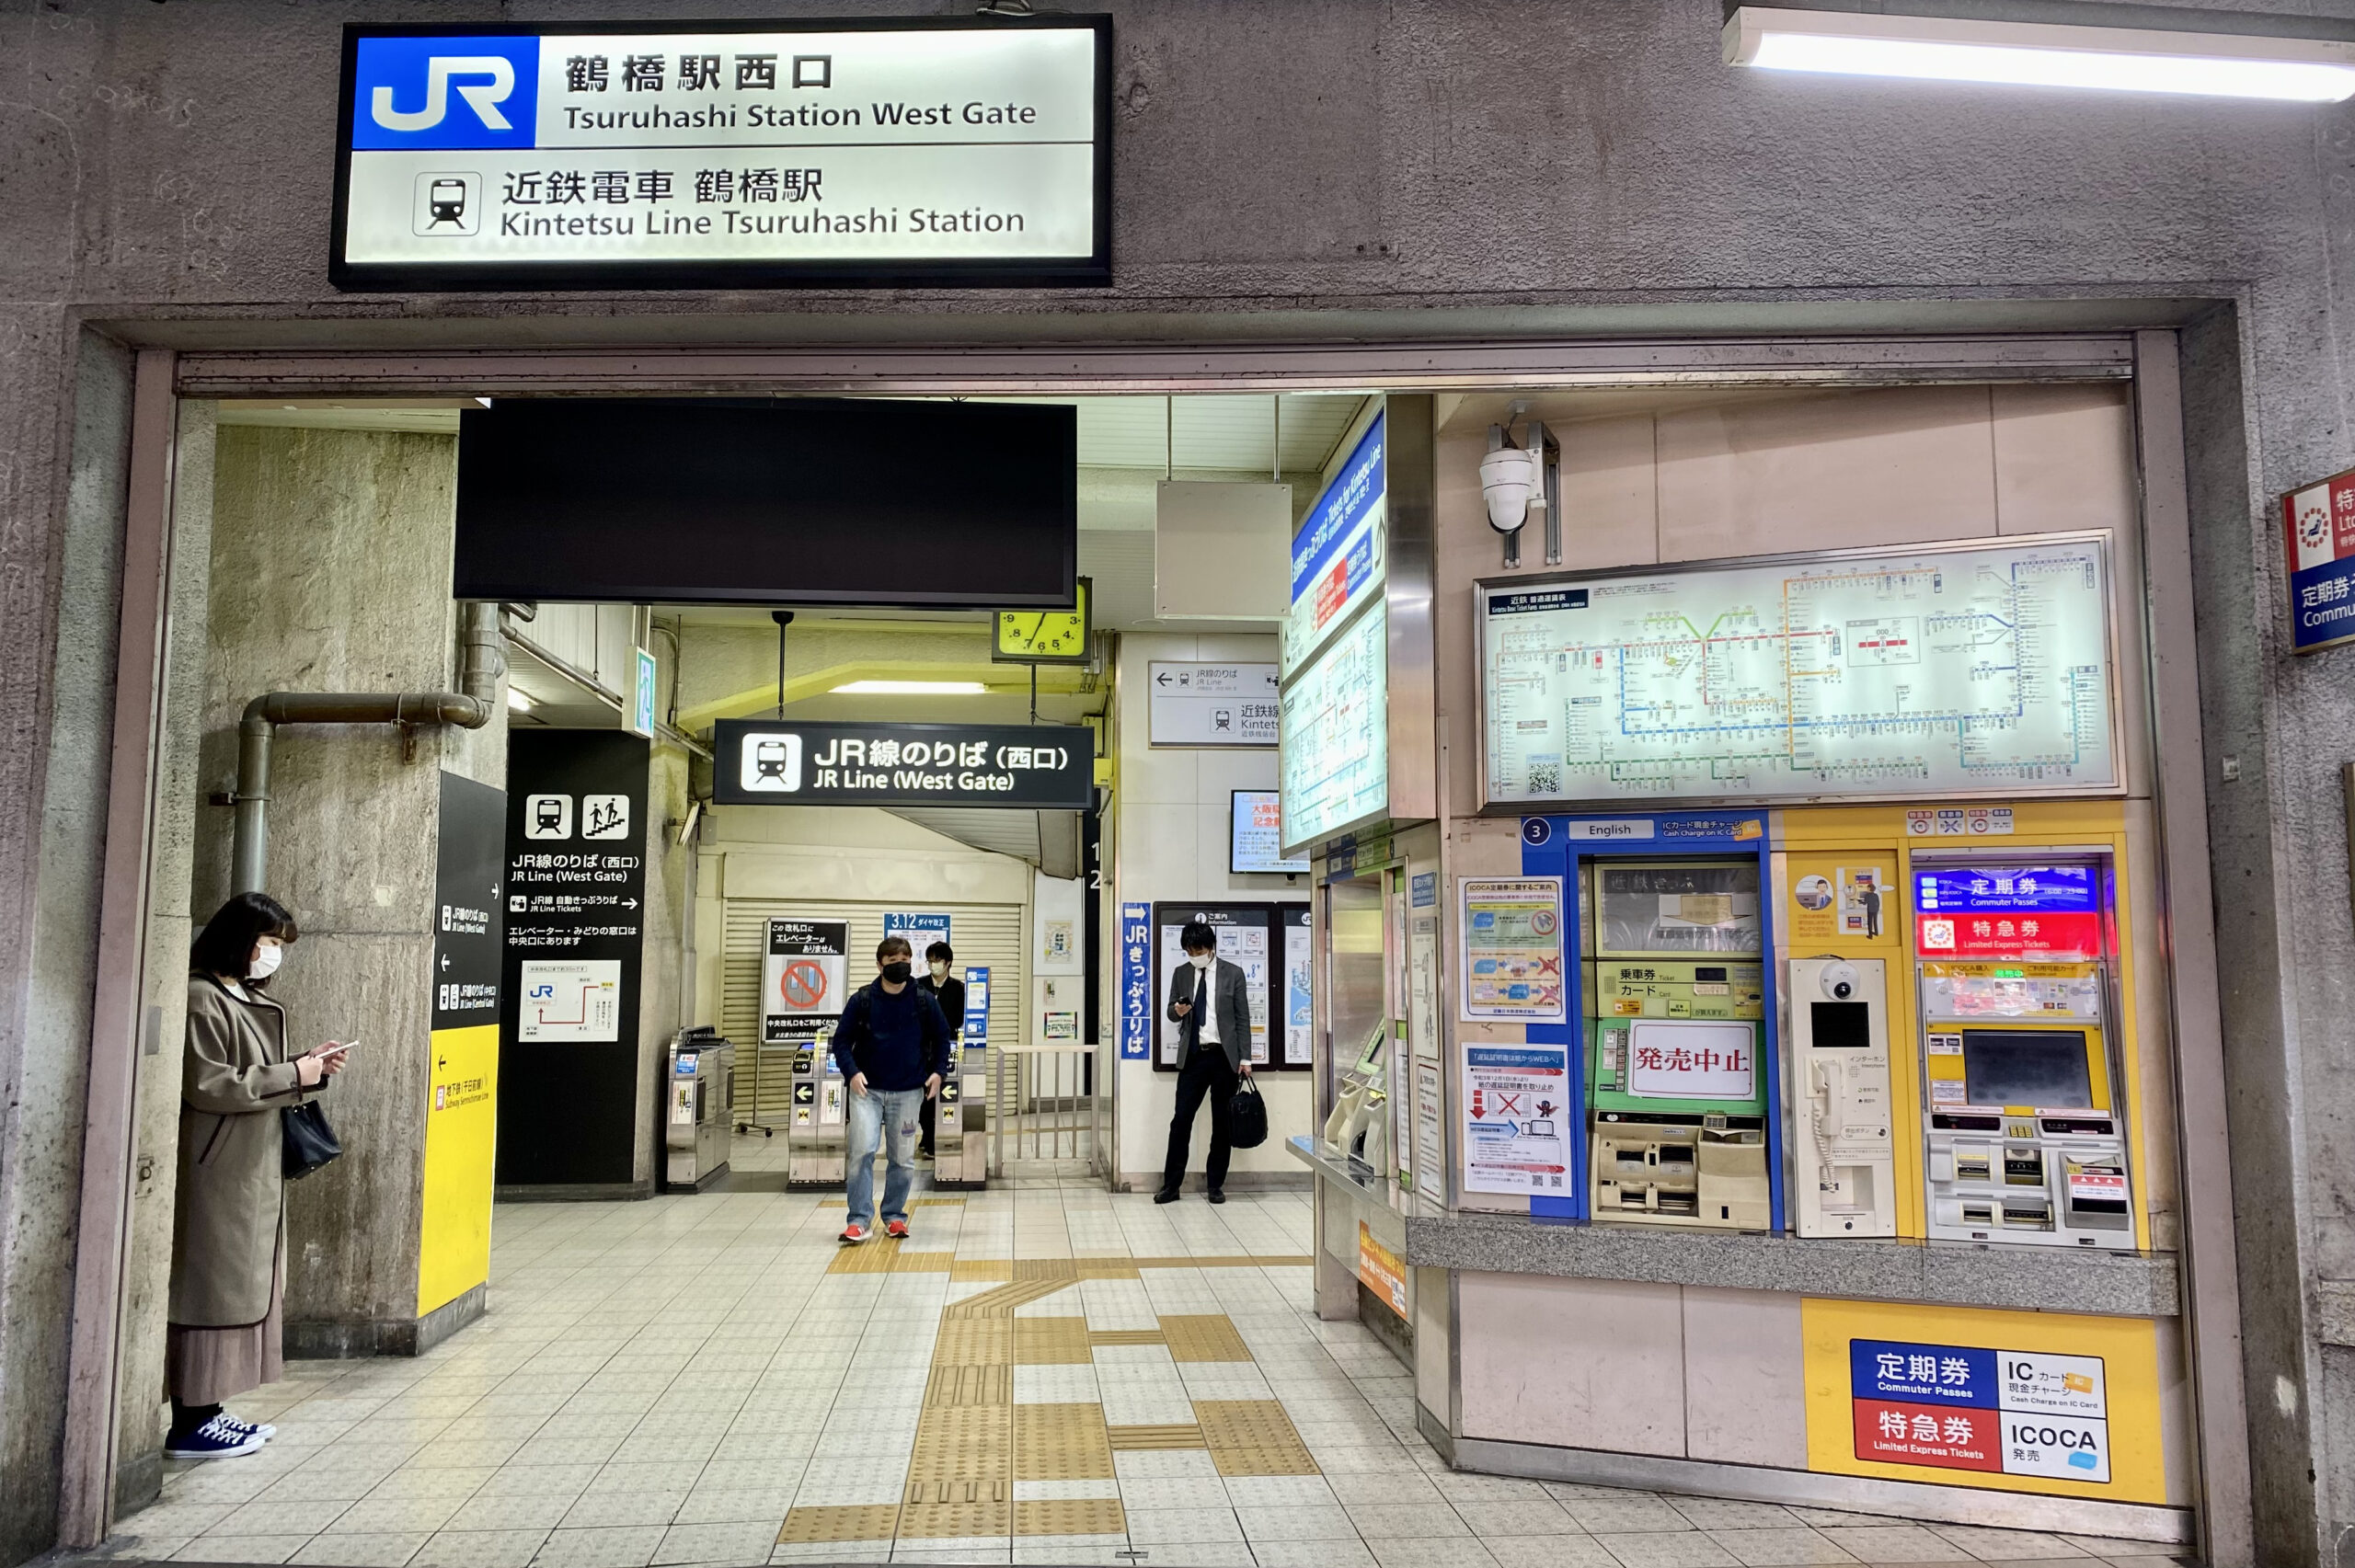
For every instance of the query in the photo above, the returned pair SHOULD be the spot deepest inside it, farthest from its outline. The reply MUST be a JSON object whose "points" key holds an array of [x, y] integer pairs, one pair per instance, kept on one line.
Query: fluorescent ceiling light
{"points": [[2042, 55], [910, 688]]}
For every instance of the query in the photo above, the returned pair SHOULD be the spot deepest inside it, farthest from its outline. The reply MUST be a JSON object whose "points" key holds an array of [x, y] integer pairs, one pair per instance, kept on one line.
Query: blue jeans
{"points": [[872, 1114]]}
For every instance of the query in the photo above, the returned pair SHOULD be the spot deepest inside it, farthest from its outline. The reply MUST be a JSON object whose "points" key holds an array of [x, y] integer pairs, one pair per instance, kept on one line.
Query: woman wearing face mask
{"points": [[229, 1239], [945, 989]]}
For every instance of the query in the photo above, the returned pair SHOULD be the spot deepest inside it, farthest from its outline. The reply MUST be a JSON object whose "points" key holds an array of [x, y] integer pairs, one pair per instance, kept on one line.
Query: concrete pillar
{"points": [[330, 572]]}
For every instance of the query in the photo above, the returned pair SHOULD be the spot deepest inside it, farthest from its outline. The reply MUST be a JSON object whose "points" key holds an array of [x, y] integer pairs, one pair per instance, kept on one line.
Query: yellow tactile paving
{"points": [[930, 1494], [1173, 1435], [1124, 1336], [1051, 1342], [1002, 1301], [966, 1271], [1208, 1336], [922, 1521], [1061, 1442], [1073, 1516], [973, 1342], [1252, 1437], [866, 1521], [959, 1383], [1105, 1268]]}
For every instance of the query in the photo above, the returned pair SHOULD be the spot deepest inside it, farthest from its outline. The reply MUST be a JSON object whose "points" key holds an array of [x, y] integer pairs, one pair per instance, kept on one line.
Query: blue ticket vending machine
{"points": [[1673, 1048]]}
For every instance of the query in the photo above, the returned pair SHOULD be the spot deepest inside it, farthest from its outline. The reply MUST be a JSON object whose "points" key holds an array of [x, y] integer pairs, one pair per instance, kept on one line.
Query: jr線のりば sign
{"points": [[937, 149], [2320, 523]]}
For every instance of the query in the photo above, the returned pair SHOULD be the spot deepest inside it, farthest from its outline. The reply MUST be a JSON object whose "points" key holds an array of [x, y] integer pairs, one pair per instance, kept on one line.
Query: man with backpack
{"points": [[889, 1048]]}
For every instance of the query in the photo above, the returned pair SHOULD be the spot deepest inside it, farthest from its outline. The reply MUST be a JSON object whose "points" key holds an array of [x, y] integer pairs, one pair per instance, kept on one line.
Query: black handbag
{"points": [[1247, 1117], [310, 1141]]}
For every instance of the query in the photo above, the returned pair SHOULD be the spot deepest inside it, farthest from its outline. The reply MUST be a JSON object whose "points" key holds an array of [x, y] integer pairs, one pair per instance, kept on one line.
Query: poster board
{"points": [[1925, 669], [1272, 943]]}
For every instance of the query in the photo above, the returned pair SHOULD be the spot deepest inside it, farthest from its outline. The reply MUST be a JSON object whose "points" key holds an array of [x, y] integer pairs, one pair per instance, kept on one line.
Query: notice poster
{"points": [[1517, 1119], [575, 1001], [1244, 940], [802, 982], [1512, 957], [1862, 890], [1430, 1158], [1300, 999]]}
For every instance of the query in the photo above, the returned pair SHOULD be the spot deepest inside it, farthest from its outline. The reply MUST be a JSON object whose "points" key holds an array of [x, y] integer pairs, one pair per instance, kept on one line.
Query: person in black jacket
{"points": [[889, 1047], [946, 988], [1214, 1018]]}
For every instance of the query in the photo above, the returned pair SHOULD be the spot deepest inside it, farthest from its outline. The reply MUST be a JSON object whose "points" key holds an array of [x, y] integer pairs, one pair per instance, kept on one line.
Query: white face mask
{"points": [[267, 955], [1201, 960], [939, 968]]}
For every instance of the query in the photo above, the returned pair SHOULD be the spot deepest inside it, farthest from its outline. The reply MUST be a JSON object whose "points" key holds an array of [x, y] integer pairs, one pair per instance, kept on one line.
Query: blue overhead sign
{"points": [[2010, 889]]}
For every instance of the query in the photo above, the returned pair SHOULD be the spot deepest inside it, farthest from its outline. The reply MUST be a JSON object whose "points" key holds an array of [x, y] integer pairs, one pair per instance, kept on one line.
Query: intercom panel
{"points": [[1843, 1132]]}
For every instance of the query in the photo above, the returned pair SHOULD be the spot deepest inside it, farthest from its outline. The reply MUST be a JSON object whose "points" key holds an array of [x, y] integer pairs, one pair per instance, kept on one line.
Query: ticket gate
{"points": [[698, 1090]]}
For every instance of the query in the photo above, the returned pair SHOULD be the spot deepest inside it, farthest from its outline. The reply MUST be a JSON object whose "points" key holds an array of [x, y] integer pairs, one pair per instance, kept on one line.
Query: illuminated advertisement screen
{"points": [[1338, 554], [1335, 724]]}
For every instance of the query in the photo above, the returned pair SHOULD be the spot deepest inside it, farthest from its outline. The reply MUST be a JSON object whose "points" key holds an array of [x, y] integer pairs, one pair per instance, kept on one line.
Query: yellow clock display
{"points": [[1043, 636]]}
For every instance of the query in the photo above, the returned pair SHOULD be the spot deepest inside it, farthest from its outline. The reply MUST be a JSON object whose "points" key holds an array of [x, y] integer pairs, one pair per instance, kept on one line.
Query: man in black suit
{"points": [[946, 988], [1213, 1019]]}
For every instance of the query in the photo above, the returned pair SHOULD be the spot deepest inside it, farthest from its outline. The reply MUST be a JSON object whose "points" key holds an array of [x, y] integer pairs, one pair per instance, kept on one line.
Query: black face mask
{"points": [[897, 972]]}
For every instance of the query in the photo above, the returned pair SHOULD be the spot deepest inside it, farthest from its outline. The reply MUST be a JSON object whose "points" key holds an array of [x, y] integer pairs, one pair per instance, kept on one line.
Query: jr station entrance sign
{"points": [[931, 149]]}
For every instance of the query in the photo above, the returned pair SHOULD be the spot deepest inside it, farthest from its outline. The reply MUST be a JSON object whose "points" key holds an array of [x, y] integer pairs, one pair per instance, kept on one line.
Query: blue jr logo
{"points": [[427, 92]]}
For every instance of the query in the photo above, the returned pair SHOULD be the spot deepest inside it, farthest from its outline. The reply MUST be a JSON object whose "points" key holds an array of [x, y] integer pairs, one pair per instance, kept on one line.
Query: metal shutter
{"points": [[984, 936]]}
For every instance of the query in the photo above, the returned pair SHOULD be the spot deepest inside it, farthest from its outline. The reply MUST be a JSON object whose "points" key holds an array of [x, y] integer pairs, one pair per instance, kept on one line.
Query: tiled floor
{"points": [[1041, 1375]]}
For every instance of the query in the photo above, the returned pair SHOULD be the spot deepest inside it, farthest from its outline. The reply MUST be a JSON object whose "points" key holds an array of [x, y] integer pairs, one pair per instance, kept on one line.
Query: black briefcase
{"points": [[1247, 1117]]}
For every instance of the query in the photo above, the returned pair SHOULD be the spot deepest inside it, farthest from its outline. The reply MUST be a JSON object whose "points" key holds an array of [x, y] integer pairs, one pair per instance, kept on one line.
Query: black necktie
{"points": [[1202, 998]]}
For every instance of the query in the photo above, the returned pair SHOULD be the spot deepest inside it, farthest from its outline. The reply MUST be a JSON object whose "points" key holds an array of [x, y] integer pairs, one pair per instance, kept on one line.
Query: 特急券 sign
{"points": [[2320, 523], [887, 151]]}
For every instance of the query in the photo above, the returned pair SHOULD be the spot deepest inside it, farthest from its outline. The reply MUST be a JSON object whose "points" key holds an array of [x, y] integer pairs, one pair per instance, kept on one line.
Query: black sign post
{"points": [[1027, 767], [469, 930], [576, 895]]}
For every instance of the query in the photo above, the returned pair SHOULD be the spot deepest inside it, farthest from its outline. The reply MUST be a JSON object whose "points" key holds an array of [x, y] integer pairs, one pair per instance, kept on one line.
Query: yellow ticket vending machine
{"points": [[2023, 1131]]}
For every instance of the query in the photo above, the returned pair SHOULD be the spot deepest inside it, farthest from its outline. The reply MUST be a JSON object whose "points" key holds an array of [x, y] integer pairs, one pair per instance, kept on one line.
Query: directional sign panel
{"points": [[1212, 704]]}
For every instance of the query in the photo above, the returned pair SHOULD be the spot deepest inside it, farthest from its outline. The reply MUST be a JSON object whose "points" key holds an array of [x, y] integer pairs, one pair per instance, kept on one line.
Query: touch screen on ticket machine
{"points": [[2023, 1137], [1674, 1024]]}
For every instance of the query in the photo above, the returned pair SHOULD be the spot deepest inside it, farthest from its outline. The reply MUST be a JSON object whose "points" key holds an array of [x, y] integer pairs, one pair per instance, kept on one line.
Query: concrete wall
{"points": [[1380, 172], [330, 572]]}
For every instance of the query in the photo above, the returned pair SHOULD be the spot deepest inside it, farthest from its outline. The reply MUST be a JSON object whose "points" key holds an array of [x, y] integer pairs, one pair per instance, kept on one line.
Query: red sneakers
{"points": [[854, 1232], [896, 1228]]}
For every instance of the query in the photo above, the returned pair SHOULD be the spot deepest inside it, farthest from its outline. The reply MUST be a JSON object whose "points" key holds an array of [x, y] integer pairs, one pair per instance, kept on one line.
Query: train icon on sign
{"points": [[772, 763], [448, 205]]}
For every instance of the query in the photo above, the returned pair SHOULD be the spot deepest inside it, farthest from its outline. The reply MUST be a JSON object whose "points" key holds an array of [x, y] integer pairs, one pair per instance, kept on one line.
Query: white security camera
{"points": [[1839, 981], [1509, 479]]}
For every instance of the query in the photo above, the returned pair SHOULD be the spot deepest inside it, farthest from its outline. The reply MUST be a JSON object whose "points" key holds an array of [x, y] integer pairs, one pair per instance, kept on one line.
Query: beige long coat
{"points": [[235, 1077]]}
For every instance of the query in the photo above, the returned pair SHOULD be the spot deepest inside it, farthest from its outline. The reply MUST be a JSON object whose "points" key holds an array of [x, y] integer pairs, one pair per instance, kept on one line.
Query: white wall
{"points": [[1169, 843]]}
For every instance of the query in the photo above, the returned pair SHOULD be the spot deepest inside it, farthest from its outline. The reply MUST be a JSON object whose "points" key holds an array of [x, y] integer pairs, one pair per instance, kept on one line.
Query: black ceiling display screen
{"points": [[948, 506]]}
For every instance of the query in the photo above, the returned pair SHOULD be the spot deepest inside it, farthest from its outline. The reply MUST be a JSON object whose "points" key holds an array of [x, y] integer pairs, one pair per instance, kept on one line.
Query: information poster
{"points": [[1517, 1121], [1137, 1001], [1430, 1158], [1300, 999], [1244, 940], [1383, 1271], [802, 982], [921, 929], [1422, 966], [1512, 957], [1256, 836], [2022, 1402], [1906, 671]]}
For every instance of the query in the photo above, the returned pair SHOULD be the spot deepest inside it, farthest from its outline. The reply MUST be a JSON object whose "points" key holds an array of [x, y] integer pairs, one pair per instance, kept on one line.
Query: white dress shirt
{"points": [[1206, 1003]]}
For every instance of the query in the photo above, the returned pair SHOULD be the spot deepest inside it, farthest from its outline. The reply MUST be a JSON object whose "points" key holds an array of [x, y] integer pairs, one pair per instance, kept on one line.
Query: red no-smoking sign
{"points": [[803, 984]]}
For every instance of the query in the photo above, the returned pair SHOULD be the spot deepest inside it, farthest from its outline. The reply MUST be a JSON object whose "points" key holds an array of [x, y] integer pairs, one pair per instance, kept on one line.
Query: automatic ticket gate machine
{"points": [[1675, 1039], [2024, 1130]]}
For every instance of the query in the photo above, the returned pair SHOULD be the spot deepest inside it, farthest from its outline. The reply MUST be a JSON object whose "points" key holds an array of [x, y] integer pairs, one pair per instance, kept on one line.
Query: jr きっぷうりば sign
{"points": [[1031, 767], [932, 149]]}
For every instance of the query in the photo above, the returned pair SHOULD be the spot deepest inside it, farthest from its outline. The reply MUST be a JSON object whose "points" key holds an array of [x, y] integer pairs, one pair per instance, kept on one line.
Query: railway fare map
{"points": [[1336, 734], [1908, 671]]}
